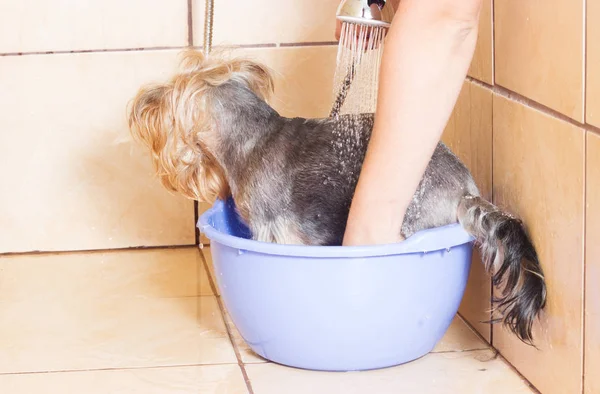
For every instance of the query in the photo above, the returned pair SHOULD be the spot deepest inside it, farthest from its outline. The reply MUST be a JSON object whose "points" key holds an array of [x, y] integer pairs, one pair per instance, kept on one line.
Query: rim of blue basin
{"points": [[426, 241]]}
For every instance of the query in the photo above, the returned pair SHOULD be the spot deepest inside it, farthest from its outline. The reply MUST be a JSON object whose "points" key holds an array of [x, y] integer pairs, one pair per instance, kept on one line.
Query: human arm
{"points": [[429, 48]]}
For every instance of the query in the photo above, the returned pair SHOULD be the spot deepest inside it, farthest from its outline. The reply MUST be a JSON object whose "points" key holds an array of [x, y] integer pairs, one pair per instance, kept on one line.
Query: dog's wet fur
{"points": [[211, 133]]}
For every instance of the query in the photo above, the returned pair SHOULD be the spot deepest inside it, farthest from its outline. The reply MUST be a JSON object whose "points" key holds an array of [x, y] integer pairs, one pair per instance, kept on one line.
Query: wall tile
{"points": [[469, 135], [593, 62], [242, 22], [541, 42], [40, 26], [303, 77], [67, 183], [592, 258], [539, 176], [481, 66]]}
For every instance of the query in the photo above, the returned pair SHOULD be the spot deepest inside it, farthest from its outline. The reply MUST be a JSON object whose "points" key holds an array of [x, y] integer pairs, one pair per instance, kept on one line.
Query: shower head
{"points": [[366, 12]]}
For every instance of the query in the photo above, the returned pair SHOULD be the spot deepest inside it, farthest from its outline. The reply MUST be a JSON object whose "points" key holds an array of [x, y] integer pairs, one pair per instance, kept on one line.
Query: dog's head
{"points": [[177, 121]]}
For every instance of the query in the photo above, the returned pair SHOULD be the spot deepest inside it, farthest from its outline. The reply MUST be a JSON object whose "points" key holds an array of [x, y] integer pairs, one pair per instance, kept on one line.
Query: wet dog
{"points": [[212, 134]]}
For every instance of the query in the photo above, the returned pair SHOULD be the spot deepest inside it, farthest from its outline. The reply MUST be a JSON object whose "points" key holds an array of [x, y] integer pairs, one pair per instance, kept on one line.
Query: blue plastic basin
{"points": [[338, 308]]}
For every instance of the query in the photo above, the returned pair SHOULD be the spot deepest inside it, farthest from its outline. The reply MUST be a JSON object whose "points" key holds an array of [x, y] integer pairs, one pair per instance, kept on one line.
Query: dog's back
{"points": [[321, 164]]}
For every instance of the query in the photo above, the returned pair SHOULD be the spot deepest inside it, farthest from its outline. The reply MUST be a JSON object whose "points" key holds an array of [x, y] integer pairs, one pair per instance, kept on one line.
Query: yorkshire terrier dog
{"points": [[211, 134]]}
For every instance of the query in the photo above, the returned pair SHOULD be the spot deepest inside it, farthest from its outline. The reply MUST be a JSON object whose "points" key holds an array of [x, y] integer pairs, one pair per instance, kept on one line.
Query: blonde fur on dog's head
{"points": [[175, 121]]}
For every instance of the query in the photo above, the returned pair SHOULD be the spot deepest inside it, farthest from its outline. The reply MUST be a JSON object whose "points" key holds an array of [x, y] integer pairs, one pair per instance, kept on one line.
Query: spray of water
{"points": [[356, 76]]}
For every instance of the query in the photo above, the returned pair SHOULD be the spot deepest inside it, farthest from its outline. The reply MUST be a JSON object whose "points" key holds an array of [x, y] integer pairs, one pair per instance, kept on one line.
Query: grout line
{"points": [[584, 287], [464, 320], [235, 348], [509, 94], [227, 326], [491, 304], [585, 60], [482, 84], [593, 129], [479, 349], [491, 311], [493, 41], [82, 251], [114, 50], [211, 281], [307, 44], [274, 45], [112, 369], [527, 102], [196, 229], [585, 186], [243, 46], [164, 48], [190, 22], [516, 371], [491, 289]]}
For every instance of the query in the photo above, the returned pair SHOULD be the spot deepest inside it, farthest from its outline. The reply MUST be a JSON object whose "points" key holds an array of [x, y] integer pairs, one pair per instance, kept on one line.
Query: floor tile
{"points": [[210, 379], [441, 373], [111, 332], [460, 337], [136, 273]]}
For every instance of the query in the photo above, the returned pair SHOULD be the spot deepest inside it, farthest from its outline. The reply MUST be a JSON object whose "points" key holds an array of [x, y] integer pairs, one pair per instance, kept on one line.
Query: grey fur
{"points": [[293, 181]]}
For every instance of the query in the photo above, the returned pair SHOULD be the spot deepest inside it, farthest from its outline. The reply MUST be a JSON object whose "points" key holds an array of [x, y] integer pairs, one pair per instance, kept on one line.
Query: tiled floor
{"points": [[149, 322]]}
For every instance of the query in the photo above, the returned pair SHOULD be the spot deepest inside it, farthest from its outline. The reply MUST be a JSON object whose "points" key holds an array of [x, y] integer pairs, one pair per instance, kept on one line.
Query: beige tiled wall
{"points": [[260, 22], [539, 175], [42, 26], [69, 180], [482, 64], [540, 52], [545, 107]]}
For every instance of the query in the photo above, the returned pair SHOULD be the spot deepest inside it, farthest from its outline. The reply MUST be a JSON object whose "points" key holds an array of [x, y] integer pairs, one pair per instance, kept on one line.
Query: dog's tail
{"points": [[510, 257]]}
